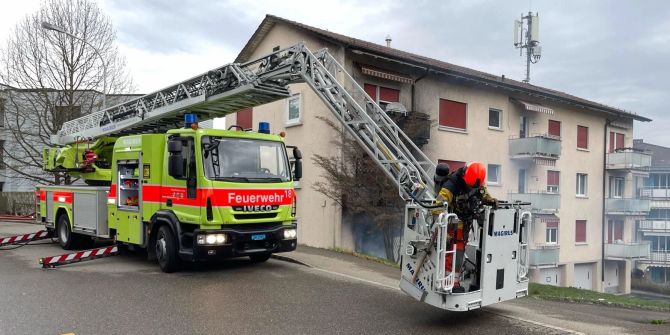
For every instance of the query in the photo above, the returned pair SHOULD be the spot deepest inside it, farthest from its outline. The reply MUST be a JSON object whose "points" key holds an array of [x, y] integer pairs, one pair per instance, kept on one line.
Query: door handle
{"points": [[168, 202]]}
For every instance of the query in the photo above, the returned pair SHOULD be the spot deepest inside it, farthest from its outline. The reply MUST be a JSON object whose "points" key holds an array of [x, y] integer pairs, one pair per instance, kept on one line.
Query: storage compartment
{"points": [[89, 211], [129, 182]]}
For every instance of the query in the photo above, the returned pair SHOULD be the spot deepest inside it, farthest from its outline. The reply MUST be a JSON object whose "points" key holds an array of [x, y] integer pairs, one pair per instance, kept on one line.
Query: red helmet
{"points": [[475, 174]]}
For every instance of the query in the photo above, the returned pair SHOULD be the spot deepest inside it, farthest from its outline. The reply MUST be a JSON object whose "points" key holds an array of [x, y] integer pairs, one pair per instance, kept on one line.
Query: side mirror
{"points": [[297, 154], [297, 169], [176, 165], [174, 145]]}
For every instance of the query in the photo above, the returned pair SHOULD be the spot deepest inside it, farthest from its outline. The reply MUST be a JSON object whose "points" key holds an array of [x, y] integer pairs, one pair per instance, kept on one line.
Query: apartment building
{"points": [[540, 145], [655, 228]]}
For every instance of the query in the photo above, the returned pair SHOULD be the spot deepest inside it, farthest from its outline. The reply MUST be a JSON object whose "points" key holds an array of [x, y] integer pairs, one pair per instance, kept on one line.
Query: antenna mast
{"points": [[528, 38]]}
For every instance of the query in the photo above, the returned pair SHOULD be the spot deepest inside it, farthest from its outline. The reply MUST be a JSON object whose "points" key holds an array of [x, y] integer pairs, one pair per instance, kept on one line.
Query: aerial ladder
{"points": [[494, 262]]}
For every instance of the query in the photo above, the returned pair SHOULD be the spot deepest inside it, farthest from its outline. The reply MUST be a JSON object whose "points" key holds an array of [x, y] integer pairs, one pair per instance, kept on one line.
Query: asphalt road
{"points": [[128, 295]]}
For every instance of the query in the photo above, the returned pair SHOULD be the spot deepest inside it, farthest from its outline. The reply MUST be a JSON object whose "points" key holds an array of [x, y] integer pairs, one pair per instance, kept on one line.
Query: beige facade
{"points": [[560, 259]]}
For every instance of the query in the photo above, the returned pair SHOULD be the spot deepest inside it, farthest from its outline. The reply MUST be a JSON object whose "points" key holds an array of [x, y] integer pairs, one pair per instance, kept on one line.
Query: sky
{"points": [[612, 52]]}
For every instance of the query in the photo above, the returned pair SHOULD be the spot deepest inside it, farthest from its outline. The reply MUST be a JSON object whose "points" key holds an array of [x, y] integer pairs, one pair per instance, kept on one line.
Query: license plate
{"points": [[258, 237]]}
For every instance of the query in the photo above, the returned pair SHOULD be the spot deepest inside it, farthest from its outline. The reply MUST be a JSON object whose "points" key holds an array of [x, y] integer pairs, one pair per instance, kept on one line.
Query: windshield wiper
{"points": [[244, 179]]}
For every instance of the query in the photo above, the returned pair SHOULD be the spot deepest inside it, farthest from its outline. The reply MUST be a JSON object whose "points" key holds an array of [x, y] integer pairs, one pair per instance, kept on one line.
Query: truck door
{"points": [[180, 193], [129, 195]]}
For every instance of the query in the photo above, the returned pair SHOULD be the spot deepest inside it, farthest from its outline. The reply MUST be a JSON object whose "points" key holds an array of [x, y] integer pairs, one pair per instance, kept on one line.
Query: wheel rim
{"points": [[62, 232], [161, 249]]}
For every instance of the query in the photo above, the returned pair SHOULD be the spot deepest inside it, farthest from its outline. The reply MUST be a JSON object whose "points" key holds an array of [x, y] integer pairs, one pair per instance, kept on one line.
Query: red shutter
{"points": [[453, 165], [452, 114], [389, 94], [553, 177], [371, 90], [611, 141], [618, 230], [555, 128], [580, 231], [245, 118], [609, 231], [582, 137], [619, 141]]}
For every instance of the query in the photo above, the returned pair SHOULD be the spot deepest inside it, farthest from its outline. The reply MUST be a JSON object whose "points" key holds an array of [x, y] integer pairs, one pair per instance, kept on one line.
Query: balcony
{"points": [[627, 250], [628, 159], [654, 226], [544, 256], [655, 193], [540, 202], [627, 206], [541, 147], [658, 257]]}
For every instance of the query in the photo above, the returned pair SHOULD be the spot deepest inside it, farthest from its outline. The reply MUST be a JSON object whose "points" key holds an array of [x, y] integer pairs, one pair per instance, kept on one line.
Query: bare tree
{"points": [[54, 78], [355, 182]]}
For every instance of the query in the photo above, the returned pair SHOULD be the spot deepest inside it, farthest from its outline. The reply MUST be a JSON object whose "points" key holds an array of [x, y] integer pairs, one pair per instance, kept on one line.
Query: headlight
{"points": [[211, 239], [290, 234]]}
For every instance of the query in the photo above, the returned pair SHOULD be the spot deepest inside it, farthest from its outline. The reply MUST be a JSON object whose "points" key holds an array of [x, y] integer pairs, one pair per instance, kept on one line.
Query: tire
{"points": [[166, 250], [66, 238], [259, 258]]}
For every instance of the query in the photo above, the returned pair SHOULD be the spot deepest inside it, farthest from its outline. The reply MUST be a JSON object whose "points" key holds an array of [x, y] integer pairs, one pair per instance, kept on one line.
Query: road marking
{"points": [[542, 324]]}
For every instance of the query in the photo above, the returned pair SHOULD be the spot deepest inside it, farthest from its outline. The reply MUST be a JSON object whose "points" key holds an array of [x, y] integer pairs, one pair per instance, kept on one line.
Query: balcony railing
{"points": [[655, 226], [655, 193], [628, 159], [627, 250], [627, 206], [540, 202], [535, 147], [546, 255], [658, 257]]}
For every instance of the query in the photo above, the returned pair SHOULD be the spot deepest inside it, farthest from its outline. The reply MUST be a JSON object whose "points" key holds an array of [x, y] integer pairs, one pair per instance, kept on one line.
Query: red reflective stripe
{"points": [[218, 196], [65, 196], [43, 196], [112, 192]]}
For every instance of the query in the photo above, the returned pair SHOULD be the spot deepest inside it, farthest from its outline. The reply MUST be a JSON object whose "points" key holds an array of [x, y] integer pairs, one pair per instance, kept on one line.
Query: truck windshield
{"points": [[242, 160]]}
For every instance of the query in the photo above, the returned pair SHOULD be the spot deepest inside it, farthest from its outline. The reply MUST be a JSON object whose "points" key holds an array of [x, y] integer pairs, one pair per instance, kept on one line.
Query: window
{"points": [[245, 118], [521, 187], [293, 110], [614, 230], [582, 137], [582, 181], [580, 231], [382, 95], [554, 128], [616, 187], [493, 174], [551, 236], [553, 180], [452, 114], [495, 118], [616, 141], [453, 165]]}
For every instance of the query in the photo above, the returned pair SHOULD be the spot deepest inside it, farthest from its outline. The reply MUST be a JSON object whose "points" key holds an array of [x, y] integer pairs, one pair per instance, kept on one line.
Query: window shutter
{"points": [[619, 141], [580, 231], [611, 141], [371, 90], [618, 230], [389, 94], [582, 137], [555, 128], [245, 118], [452, 114], [553, 177]]}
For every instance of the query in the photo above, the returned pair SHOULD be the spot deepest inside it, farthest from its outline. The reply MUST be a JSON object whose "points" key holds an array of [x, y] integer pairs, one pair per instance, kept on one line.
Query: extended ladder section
{"points": [[235, 86]]}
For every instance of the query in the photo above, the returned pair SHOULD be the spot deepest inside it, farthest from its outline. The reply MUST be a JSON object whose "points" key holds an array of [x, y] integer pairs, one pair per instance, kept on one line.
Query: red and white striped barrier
{"points": [[40, 235], [79, 256]]}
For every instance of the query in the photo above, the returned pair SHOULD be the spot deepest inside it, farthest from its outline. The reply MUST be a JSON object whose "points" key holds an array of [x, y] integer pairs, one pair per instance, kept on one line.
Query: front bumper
{"points": [[244, 243]]}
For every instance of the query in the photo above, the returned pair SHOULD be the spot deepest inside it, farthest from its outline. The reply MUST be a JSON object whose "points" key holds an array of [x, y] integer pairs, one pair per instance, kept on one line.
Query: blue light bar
{"points": [[190, 119], [264, 127]]}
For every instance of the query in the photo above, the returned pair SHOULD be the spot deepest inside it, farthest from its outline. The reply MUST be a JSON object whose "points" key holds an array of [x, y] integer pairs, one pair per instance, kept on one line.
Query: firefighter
{"points": [[464, 183]]}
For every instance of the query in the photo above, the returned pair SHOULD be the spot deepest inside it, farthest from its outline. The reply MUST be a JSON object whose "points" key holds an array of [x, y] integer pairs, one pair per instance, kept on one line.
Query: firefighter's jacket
{"points": [[455, 187]]}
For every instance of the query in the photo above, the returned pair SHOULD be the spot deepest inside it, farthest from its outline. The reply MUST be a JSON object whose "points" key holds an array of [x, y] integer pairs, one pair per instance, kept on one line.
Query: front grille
{"points": [[252, 226], [255, 216]]}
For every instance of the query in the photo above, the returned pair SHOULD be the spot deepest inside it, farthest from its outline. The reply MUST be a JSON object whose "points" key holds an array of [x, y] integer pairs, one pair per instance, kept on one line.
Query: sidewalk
{"points": [[344, 265]]}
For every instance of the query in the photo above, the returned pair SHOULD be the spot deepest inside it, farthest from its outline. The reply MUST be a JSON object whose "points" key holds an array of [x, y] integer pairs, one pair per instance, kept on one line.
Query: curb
{"points": [[290, 260]]}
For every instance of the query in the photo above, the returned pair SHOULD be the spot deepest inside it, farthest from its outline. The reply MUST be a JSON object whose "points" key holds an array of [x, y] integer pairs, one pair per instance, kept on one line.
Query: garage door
{"points": [[584, 276], [551, 276]]}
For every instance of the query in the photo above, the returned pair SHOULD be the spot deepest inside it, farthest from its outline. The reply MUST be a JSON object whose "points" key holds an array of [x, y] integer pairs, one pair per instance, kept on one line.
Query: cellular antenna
{"points": [[528, 38]]}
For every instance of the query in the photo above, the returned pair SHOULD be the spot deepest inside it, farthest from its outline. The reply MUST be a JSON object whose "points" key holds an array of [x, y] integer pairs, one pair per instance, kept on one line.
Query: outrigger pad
{"points": [[79, 256]]}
